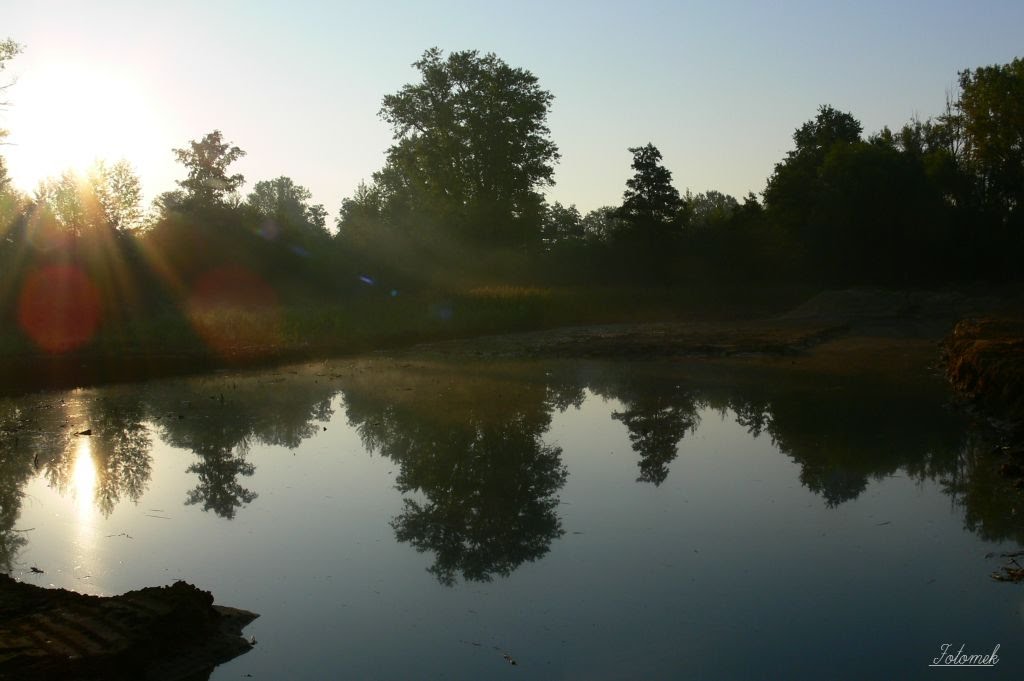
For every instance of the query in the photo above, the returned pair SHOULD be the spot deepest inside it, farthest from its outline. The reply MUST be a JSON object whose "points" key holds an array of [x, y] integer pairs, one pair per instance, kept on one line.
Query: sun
{"points": [[66, 116]]}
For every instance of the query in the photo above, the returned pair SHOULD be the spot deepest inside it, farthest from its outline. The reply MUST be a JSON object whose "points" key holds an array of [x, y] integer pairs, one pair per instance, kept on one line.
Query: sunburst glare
{"points": [[68, 115]]}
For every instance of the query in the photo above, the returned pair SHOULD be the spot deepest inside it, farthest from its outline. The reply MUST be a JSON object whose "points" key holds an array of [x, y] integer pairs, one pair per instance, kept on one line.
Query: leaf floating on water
{"points": [[86, 432]]}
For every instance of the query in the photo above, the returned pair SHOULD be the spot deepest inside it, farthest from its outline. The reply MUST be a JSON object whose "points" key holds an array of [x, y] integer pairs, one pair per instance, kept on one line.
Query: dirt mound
{"points": [[985, 363], [160, 633]]}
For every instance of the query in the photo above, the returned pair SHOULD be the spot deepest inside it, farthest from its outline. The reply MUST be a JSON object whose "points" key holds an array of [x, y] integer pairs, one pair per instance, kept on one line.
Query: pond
{"points": [[421, 518]]}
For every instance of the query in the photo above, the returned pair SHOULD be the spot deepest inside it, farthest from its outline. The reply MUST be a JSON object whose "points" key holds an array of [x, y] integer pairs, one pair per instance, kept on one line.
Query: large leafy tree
{"points": [[119, 194], [472, 148], [651, 220], [107, 197], [209, 182], [992, 108], [851, 210], [791, 197], [650, 202], [288, 204]]}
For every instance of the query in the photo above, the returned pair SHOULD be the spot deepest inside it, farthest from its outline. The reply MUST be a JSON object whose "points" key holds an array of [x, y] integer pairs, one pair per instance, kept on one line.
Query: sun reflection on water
{"points": [[83, 480]]}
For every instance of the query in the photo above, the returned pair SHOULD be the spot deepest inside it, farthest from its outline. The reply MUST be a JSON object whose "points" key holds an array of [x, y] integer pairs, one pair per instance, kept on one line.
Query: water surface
{"points": [[418, 518]]}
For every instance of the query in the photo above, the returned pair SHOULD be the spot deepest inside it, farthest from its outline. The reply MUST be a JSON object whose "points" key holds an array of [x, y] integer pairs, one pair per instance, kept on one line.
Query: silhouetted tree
{"points": [[853, 211], [992, 105], [472, 148], [650, 201], [603, 224], [283, 200], [119, 192], [208, 182], [562, 225], [651, 218], [106, 198], [709, 210]]}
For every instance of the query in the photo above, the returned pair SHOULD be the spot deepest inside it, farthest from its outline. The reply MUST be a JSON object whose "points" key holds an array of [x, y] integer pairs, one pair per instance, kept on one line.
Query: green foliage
{"points": [[8, 51], [108, 197], [650, 202], [472, 148], [816, 138], [992, 105], [283, 205], [208, 182], [457, 207], [709, 210], [562, 225]]}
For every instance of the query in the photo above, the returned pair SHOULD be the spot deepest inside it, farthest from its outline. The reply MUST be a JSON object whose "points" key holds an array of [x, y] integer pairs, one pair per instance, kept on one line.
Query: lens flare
{"points": [[59, 308], [235, 312]]}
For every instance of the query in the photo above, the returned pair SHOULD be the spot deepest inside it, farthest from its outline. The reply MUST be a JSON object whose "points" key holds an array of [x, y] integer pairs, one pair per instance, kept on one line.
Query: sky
{"points": [[718, 87]]}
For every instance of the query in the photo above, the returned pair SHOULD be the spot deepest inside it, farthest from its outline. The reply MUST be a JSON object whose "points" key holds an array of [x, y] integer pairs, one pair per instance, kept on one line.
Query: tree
{"points": [[992, 105], [647, 244], [8, 50], [119, 194], [657, 424], [107, 197], [650, 202], [361, 215], [562, 225], [830, 127], [288, 204], [207, 161], [795, 186], [472, 148], [710, 209], [603, 224]]}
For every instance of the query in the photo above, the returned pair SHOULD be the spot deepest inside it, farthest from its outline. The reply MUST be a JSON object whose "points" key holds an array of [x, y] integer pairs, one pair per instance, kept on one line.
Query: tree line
{"points": [[459, 199]]}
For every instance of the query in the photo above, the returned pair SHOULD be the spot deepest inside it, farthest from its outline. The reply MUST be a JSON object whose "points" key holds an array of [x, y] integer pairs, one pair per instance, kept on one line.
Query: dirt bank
{"points": [[985, 364], [159, 634]]}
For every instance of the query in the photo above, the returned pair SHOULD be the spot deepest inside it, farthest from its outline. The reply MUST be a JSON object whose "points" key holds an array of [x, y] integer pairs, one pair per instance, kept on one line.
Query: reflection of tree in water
{"points": [[121, 451], [220, 419], [657, 412], [220, 436], [656, 426], [218, 489], [753, 414], [843, 439], [991, 502], [487, 480], [119, 445], [15, 469]]}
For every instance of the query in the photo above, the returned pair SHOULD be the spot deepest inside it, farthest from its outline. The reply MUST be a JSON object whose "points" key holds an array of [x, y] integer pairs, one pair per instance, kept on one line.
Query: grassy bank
{"points": [[187, 338]]}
